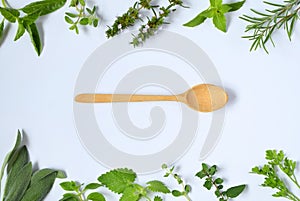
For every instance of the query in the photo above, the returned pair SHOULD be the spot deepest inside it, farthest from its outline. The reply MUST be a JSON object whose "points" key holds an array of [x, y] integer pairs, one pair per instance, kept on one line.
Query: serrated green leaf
{"points": [[14, 166], [92, 186], [157, 198], [117, 180], [131, 193], [69, 20], [84, 21], [96, 197], [10, 14], [35, 37], [219, 21], [43, 7], [20, 184], [20, 31], [40, 186], [235, 6], [157, 186], [235, 191]]}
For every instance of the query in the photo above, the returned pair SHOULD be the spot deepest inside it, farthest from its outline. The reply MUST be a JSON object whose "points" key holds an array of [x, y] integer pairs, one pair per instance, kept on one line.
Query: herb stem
{"points": [[4, 4], [215, 185]]}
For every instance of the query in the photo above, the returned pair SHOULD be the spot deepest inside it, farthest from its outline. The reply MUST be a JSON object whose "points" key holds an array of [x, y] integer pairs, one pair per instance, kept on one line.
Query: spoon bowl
{"points": [[202, 97]]}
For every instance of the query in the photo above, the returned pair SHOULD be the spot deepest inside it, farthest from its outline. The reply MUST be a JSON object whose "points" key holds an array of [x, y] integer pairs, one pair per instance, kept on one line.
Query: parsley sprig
{"points": [[263, 25], [278, 163]]}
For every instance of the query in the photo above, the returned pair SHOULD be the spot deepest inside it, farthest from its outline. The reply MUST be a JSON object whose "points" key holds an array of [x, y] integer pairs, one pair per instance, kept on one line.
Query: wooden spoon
{"points": [[202, 97]]}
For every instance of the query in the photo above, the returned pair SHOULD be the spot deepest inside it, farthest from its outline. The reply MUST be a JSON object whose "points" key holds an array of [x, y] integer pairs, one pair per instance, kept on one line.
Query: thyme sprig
{"points": [[264, 25]]}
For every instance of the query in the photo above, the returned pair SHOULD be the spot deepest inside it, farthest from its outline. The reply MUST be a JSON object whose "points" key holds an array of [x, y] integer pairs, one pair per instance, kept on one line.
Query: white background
{"points": [[37, 96]]}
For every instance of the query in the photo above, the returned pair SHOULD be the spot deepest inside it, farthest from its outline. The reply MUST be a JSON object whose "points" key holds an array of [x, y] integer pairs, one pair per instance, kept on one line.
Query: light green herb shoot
{"points": [[208, 173], [216, 11], [278, 163]]}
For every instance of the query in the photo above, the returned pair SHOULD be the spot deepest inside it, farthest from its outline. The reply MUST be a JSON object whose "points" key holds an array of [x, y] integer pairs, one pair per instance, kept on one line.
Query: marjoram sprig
{"points": [[264, 24]]}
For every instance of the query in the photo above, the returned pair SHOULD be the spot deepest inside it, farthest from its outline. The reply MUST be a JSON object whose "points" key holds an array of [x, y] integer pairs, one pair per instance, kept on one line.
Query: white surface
{"points": [[37, 96]]}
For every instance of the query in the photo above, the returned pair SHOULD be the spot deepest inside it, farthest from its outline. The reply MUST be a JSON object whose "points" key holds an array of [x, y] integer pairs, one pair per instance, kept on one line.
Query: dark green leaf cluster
{"points": [[278, 163], [186, 188], [84, 16], [76, 191], [208, 173], [27, 22], [264, 24], [152, 25], [216, 11], [22, 182]]}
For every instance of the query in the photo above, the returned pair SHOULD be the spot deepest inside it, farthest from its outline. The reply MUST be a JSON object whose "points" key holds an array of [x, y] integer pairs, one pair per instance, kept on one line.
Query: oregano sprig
{"points": [[186, 188], [208, 173], [84, 16], [263, 25], [278, 165], [216, 11]]}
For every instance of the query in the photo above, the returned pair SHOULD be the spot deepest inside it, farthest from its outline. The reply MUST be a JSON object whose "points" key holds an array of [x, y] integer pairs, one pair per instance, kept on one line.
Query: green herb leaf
{"points": [[117, 180], [235, 6], [199, 19], [176, 193], [92, 186], [30, 18], [131, 193], [40, 186], [219, 21], [69, 186], [20, 184], [235, 191], [69, 197], [1, 34], [43, 7], [72, 15], [84, 21], [35, 37], [208, 184], [157, 186], [96, 197], [10, 14], [157, 198], [69, 20], [20, 31]]}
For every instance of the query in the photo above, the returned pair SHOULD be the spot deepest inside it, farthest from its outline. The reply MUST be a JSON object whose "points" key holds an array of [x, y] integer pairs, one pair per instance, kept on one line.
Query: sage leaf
{"points": [[20, 184], [18, 140], [10, 14], [40, 186], [1, 34], [44, 7], [96, 197], [219, 21], [235, 6], [35, 37], [18, 161], [20, 31], [235, 191]]}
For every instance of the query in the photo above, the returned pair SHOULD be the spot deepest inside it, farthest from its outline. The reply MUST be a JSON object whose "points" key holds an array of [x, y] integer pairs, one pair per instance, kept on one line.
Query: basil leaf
{"points": [[20, 31], [96, 197], [20, 184], [235, 191], [10, 14], [35, 37], [1, 34], [43, 7], [199, 19], [235, 6], [69, 197], [219, 21], [92, 186], [40, 186]]}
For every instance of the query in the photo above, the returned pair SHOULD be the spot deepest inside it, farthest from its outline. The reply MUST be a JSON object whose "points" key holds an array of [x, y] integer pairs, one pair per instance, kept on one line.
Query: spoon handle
{"points": [[106, 98]]}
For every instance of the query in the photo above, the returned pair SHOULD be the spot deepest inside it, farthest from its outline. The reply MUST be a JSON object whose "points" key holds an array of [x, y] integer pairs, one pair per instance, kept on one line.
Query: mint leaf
{"points": [[235, 6], [43, 7], [35, 37], [235, 191], [131, 193], [10, 14], [117, 180], [20, 31], [157, 186], [96, 197], [219, 21]]}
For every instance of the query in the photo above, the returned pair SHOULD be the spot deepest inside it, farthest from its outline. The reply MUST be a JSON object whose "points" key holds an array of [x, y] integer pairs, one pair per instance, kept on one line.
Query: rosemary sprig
{"points": [[264, 25]]}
